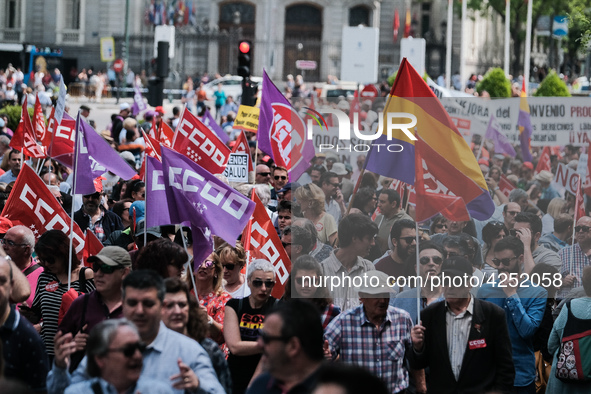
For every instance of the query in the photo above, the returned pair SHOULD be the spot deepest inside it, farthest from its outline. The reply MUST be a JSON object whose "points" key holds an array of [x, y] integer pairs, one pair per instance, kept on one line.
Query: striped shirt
{"points": [[381, 351], [458, 329], [47, 302]]}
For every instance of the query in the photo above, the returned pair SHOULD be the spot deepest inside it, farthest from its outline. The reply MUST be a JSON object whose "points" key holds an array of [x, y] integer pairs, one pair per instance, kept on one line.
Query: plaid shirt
{"points": [[97, 227], [579, 261], [381, 351]]}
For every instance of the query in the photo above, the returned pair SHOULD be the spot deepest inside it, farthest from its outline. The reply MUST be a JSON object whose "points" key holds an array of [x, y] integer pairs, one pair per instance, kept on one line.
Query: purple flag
{"points": [[501, 144], [138, 101], [269, 96], [95, 157], [156, 204], [202, 245], [196, 195], [210, 122]]}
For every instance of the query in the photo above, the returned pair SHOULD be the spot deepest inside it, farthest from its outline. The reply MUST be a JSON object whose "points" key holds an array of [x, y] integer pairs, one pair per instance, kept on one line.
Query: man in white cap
{"points": [[124, 113], [373, 322], [545, 178]]}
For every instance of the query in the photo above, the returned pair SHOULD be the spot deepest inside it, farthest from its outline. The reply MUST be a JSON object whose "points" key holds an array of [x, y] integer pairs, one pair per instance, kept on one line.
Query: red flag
{"points": [[544, 162], [62, 140], [91, 247], [196, 141], [39, 122], [24, 136], [241, 146], [152, 150], [51, 125], [580, 202], [262, 242], [429, 203], [407, 24], [505, 185], [32, 204], [396, 24], [166, 134]]}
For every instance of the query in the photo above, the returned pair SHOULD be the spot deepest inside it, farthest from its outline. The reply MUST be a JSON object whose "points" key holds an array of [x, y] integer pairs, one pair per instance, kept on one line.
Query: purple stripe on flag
{"points": [[269, 96], [210, 122], [399, 165], [202, 245], [501, 144], [139, 104]]}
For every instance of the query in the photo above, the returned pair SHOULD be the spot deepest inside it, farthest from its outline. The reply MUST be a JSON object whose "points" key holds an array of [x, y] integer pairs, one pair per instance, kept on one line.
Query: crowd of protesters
{"points": [[147, 321]]}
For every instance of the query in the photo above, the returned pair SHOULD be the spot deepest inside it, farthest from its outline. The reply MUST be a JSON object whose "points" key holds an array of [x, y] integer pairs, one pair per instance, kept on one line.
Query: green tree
{"points": [[495, 83], [552, 86]]}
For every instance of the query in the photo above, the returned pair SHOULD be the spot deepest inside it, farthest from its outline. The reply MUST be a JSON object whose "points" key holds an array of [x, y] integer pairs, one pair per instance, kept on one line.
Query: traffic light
{"points": [[244, 58]]}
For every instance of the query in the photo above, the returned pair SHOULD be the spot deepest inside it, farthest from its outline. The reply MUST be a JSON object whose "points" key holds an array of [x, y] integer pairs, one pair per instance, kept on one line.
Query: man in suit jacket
{"points": [[464, 341]]}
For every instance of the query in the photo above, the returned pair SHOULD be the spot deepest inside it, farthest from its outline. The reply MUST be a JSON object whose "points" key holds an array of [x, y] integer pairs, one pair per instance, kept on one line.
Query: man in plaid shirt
{"points": [[576, 257], [373, 335]]}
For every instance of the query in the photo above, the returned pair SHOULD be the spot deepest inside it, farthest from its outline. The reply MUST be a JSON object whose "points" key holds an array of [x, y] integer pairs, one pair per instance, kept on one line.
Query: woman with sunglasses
{"points": [[311, 200], [492, 233], [212, 297], [233, 259], [439, 224], [297, 286], [52, 250], [244, 318], [181, 313]]}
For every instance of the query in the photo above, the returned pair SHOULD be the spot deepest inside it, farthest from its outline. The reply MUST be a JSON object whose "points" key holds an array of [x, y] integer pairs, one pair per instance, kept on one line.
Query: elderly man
{"points": [[15, 159], [510, 210], [23, 350], [18, 243], [115, 362], [263, 174], [373, 335], [464, 341], [576, 257], [292, 349], [169, 356]]}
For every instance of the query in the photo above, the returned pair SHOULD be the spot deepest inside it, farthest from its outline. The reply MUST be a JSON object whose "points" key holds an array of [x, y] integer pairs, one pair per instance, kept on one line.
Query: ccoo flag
{"points": [[444, 150]]}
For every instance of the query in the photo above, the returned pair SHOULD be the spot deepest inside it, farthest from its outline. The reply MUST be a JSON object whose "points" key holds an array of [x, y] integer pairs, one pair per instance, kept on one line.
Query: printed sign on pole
{"points": [[237, 168]]}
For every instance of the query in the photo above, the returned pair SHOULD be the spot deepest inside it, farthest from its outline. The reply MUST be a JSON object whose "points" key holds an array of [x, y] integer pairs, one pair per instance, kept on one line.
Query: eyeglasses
{"points": [[338, 185], [8, 242], [129, 350], [426, 259], [94, 196], [440, 226], [506, 262], [267, 339], [171, 304], [258, 283], [286, 244], [283, 217], [46, 261], [512, 213], [207, 264], [585, 229], [264, 173], [105, 268], [229, 267], [278, 177], [408, 240]]}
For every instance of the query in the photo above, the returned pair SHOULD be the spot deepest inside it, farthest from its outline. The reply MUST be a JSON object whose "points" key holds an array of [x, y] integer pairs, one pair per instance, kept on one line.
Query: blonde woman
{"points": [[555, 207], [311, 200]]}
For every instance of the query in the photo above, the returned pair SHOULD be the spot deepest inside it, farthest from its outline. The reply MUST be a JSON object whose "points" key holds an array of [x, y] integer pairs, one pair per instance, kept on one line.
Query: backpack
{"points": [[574, 363]]}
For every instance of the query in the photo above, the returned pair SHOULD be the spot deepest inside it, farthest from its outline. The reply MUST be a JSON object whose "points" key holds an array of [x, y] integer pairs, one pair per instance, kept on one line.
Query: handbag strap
{"points": [[31, 269]]}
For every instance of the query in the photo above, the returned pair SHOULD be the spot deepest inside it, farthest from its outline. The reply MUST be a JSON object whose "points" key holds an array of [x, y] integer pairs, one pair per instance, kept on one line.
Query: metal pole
{"points": [[463, 44], [450, 12], [507, 35], [527, 46], [126, 52]]}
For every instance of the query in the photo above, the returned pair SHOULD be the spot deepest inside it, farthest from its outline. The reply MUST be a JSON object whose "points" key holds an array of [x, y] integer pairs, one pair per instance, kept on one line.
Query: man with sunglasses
{"points": [[169, 357], [510, 210], [403, 245], [576, 257], [96, 218], [524, 305], [110, 266], [334, 202], [279, 181], [115, 362], [263, 174]]}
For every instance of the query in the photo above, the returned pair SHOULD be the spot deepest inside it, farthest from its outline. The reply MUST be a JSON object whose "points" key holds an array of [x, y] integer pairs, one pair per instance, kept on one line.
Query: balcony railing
{"points": [[12, 35], [70, 37]]}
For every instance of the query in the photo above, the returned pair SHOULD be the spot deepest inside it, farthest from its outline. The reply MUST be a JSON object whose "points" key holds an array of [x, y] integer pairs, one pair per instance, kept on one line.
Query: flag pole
{"points": [[256, 158], [527, 46], [507, 35], [463, 44], [74, 173], [418, 270], [448, 49], [189, 267]]}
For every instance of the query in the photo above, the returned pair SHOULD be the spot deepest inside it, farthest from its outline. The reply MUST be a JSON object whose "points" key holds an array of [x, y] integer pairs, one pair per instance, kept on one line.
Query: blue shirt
{"points": [[160, 362], [524, 312], [407, 300], [143, 385]]}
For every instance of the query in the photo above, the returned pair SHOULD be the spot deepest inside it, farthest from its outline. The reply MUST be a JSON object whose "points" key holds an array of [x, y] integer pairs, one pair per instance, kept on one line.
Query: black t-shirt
{"points": [[250, 320]]}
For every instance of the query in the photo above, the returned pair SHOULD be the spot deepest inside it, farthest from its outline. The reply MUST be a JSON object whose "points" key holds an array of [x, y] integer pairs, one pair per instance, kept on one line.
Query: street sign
{"points": [[306, 64], [370, 92], [107, 49], [359, 54], [560, 26], [118, 65]]}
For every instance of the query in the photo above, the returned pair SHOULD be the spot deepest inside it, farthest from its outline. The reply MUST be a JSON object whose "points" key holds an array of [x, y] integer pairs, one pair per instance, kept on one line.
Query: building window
{"points": [[72, 13], [13, 20], [359, 16]]}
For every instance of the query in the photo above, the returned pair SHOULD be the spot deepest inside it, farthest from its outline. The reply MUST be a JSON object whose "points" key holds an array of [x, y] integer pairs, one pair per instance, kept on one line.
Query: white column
{"points": [[527, 45], [463, 44], [450, 11], [507, 35]]}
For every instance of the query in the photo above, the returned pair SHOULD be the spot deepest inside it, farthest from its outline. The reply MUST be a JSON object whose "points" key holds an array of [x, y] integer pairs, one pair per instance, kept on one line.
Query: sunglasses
{"points": [[264, 173], [440, 226], [337, 184], [278, 177], [267, 339], [408, 240], [283, 217], [46, 261], [105, 268], [512, 213], [259, 282], [426, 259], [11, 243], [207, 264], [129, 350], [506, 262], [229, 267], [585, 229]]}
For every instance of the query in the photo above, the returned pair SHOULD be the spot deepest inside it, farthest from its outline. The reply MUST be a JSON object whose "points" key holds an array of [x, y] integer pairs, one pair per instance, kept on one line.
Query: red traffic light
{"points": [[244, 47]]}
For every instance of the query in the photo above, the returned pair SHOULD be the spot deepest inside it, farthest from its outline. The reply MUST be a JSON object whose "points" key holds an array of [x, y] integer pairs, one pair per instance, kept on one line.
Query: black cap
{"points": [[456, 266]]}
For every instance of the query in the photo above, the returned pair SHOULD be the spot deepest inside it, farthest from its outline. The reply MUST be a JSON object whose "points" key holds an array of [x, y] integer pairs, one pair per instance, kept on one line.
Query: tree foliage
{"points": [[14, 115], [495, 83], [552, 86]]}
